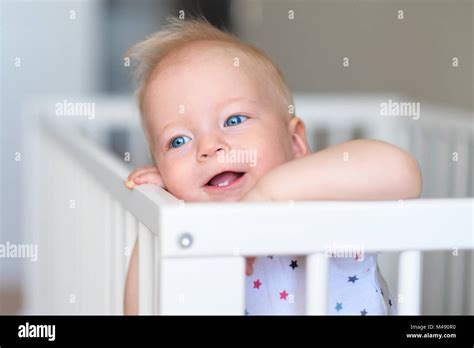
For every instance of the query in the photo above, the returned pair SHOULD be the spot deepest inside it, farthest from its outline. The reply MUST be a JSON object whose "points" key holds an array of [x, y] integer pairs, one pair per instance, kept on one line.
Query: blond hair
{"points": [[179, 33]]}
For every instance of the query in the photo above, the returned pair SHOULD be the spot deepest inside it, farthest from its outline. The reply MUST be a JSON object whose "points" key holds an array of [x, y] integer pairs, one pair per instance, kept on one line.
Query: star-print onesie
{"points": [[355, 287]]}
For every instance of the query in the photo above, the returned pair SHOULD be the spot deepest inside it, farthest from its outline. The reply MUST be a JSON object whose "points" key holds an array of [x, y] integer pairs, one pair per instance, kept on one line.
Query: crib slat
{"points": [[442, 163], [157, 269], [145, 270], [97, 259], [460, 165], [109, 276], [118, 258], [316, 284], [469, 309], [403, 135], [457, 280], [84, 251], [409, 284], [435, 271]]}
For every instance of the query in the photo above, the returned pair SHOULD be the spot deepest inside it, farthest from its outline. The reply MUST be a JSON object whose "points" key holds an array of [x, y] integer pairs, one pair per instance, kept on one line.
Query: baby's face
{"points": [[216, 128]]}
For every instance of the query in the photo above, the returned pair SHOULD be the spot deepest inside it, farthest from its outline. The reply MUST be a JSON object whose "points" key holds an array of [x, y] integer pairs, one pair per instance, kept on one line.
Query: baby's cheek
{"points": [[177, 187], [174, 180], [267, 159]]}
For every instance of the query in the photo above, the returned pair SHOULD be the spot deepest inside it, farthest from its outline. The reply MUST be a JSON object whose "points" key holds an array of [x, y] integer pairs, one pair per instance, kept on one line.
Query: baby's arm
{"points": [[354, 170], [131, 284]]}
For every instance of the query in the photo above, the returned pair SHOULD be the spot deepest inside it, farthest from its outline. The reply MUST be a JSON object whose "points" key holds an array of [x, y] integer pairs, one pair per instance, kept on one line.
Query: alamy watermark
{"points": [[406, 109], [354, 251], [238, 156], [28, 330], [68, 108], [23, 251]]}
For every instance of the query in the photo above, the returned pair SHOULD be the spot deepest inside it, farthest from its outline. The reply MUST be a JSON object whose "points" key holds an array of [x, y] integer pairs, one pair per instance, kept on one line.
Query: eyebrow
{"points": [[233, 100], [219, 106]]}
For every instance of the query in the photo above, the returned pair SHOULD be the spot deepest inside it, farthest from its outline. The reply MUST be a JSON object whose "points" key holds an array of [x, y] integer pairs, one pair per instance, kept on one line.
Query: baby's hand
{"points": [[249, 265], [144, 175]]}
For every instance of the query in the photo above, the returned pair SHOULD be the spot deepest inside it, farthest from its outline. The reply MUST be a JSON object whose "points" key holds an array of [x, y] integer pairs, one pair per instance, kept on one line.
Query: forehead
{"points": [[209, 50], [201, 74]]}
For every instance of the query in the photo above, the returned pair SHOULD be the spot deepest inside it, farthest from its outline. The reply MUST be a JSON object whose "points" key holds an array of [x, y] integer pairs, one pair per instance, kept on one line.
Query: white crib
{"points": [[191, 256]]}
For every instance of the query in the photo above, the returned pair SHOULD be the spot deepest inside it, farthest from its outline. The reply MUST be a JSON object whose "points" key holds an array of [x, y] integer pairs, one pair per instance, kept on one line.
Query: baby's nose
{"points": [[209, 148], [210, 152]]}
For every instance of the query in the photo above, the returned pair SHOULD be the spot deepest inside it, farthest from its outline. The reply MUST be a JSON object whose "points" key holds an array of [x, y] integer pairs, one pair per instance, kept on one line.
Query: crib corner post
{"points": [[202, 286]]}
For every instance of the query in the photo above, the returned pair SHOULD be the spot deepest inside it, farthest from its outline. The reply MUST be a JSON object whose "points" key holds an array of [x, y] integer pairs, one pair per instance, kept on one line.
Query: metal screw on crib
{"points": [[185, 240]]}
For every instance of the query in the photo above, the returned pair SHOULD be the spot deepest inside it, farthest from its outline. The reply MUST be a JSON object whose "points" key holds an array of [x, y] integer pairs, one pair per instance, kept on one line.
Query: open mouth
{"points": [[225, 179]]}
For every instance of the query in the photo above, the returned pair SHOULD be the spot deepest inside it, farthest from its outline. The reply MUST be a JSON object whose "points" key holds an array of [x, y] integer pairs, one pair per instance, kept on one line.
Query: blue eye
{"points": [[179, 141], [235, 120]]}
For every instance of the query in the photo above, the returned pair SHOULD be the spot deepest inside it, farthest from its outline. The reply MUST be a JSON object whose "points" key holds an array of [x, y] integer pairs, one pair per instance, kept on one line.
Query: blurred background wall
{"points": [[77, 47], [43, 50], [411, 56]]}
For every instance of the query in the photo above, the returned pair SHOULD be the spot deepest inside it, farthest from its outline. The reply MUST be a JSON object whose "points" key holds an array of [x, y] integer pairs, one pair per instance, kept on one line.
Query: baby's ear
{"points": [[297, 131]]}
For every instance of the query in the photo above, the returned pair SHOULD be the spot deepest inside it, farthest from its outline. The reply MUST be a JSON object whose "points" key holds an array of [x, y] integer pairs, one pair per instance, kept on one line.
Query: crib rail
{"points": [[262, 229], [270, 229]]}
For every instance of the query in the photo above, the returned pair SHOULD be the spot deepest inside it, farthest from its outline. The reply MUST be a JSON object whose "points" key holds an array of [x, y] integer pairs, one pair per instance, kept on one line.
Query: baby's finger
{"points": [[152, 177], [132, 181], [140, 171]]}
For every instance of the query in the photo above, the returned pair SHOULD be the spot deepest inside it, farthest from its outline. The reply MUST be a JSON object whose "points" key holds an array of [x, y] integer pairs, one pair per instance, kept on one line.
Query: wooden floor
{"points": [[10, 300]]}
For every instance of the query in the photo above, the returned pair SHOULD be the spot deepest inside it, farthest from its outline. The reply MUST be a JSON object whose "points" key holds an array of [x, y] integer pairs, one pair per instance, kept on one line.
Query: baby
{"points": [[203, 94]]}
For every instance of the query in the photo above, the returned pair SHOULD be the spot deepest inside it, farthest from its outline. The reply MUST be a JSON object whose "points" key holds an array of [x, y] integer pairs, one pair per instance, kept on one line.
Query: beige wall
{"points": [[412, 56]]}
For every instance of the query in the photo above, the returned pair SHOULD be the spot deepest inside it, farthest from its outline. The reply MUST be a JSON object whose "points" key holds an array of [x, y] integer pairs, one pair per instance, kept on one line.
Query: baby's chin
{"points": [[203, 197], [226, 199], [230, 198]]}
